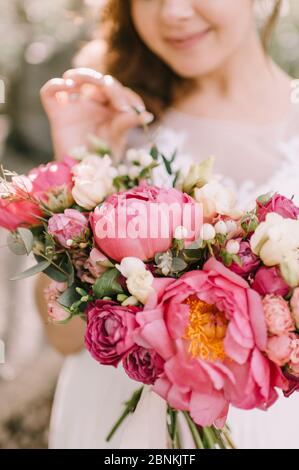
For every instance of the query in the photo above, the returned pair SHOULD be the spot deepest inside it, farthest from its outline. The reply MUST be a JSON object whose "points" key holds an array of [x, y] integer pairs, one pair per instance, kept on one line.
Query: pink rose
{"points": [[210, 329], [69, 228], [279, 204], [294, 358], [279, 349], [295, 306], [109, 333], [250, 262], [93, 267], [141, 222], [278, 315], [143, 365], [55, 310], [269, 281], [18, 213]]}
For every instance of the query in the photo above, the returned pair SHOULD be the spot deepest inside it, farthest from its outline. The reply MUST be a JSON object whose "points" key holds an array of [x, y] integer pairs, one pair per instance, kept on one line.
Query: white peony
{"points": [[140, 285], [93, 180], [217, 199], [290, 268], [275, 239]]}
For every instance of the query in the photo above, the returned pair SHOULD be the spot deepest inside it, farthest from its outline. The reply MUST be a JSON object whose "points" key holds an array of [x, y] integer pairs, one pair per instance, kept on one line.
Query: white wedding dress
{"points": [[89, 396]]}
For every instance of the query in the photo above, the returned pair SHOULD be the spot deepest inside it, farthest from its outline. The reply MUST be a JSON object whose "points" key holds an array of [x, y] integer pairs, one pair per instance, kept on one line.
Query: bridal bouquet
{"points": [[190, 295]]}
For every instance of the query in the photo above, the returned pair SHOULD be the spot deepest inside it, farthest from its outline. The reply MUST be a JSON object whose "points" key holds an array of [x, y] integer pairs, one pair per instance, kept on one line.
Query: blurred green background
{"points": [[38, 40]]}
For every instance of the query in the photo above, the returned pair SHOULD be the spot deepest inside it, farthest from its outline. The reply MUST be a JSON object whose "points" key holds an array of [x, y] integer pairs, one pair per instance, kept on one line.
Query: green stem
{"points": [[209, 437], [194, 431], [130, 408], [226, 433]]}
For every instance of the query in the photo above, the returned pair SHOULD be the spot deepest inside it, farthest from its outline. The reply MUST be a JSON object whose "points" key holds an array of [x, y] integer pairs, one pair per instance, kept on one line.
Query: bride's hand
{"points": [[85, 102]]}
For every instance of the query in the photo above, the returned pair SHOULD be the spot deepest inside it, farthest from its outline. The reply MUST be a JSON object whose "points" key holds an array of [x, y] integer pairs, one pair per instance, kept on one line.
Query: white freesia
{"points": [[217, 199], [275, 238], [93, 180], [140, 285], [130, 266]]}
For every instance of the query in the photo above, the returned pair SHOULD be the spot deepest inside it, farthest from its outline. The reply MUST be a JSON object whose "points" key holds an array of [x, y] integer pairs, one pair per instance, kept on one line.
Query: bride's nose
{"points": [[176, 10]]}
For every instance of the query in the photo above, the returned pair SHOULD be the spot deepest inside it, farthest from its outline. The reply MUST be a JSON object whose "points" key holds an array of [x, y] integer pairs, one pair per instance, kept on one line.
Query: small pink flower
{"points": [[279, 204], [279, 349], [295, 306], [278, 315], [69, 227], [270, 281], [109, 333], [55, 310], [250, 262], [51, 176], [143, 365]]}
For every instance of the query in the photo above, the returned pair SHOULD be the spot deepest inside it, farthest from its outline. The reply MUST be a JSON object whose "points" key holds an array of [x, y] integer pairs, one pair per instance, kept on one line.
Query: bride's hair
{"points": [[129, 60]]}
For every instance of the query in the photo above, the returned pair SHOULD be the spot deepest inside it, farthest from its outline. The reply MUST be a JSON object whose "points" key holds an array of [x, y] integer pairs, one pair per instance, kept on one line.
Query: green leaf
{"points": [[54, 274], [27, 238], [107, 285], [167, 164], [69, 297], [154, 152], [15, 244], [178, 265], [265, 198], [38, 268]]}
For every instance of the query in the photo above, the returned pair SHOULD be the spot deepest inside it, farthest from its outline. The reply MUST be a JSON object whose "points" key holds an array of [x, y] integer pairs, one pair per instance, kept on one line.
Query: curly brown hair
{"points": [[142, 70]]}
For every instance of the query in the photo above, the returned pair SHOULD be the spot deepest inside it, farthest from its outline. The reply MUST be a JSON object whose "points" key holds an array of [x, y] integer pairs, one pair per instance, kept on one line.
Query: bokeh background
{"points": [[39, 40]]}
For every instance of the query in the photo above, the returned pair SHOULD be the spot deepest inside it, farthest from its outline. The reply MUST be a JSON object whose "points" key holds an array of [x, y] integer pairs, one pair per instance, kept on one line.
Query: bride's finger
{"points": [[112, 89], [56, 85]]}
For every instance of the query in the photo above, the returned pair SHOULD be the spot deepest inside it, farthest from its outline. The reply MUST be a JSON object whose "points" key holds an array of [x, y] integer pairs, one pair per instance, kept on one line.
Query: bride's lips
{"points": [[187, 41]]}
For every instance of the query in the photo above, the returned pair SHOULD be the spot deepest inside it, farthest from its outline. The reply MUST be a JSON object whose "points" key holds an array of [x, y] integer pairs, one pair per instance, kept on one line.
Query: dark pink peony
{"points": [[68, 228], [210, 329], [279, 204], [269, 281], [250, 262], [143, 365], [109, 332]]}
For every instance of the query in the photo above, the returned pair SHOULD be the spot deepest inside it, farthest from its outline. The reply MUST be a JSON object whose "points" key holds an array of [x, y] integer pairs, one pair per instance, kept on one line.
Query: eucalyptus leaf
{"points": [[68, 297], [154, 152], [178, 265], [54, 274], [16, 245], [27, 237], [107, 285], [38, 268]]}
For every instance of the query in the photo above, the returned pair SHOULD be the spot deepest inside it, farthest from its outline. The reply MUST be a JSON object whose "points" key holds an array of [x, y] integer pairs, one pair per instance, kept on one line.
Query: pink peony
{"points": [[210, 329], [109, 331], [279, 204], [141, 222], [295, 306], [143, 365], [270, 281], [55, 310], [250, 262], [279, 349], [278, 315], [68, 228], [18, 213]]}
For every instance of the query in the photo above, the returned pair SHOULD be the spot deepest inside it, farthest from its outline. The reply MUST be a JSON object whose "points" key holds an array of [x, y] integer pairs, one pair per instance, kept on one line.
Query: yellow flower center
{"points": [[206, 330]]}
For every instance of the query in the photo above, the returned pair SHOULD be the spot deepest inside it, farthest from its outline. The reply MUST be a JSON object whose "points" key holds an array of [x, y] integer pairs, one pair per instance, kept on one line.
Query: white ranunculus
{"points": [[217, 199], [93, 180], [130, 266], [140, 285], [275, 238]]}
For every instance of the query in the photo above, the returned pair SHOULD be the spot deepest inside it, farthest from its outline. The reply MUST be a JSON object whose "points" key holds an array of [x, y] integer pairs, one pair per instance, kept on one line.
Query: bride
{"points": [[199, 68]]}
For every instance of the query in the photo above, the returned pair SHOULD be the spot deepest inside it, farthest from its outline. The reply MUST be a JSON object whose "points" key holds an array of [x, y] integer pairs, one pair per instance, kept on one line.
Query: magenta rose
{"points": [[141, 222], [109, 333], [210, 329], [68, 228], [279, 204], [269, 281], [250, 262], [143, 365]]}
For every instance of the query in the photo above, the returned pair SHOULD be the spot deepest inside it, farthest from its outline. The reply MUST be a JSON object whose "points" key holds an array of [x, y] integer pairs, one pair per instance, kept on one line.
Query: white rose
{"points": [[275, 238], [217, 199], [140, 285], [93, 180], [130, 266]]}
